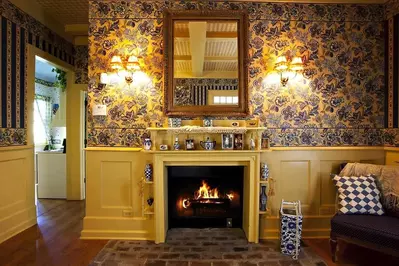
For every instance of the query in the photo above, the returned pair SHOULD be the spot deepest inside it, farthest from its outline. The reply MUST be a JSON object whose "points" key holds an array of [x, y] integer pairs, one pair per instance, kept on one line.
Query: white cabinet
{"points": [[51, 173]]}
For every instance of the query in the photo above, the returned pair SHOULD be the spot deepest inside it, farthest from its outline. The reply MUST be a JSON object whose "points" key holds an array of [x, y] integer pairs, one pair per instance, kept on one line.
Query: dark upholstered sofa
{"points": [[371, 231]]}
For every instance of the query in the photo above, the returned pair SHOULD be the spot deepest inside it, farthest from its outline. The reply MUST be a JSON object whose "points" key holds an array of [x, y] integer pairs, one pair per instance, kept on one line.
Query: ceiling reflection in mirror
{"points": [[205, 70]]}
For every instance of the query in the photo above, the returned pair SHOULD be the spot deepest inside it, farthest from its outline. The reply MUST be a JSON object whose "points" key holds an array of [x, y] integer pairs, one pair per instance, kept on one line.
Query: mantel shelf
{"points": [[206, 130], [205, 151]]}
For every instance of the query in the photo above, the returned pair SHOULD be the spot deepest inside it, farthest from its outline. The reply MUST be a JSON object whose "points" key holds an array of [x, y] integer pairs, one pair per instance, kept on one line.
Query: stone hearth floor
{"points": [[201, 247]]}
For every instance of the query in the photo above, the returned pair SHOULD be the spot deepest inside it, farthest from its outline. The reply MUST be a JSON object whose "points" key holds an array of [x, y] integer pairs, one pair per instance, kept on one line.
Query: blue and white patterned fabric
{"points": [[289, 236], [358, 195]]}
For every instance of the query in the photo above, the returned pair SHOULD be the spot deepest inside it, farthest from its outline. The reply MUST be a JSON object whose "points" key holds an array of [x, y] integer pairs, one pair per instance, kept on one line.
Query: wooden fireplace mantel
{"points": [[249, 159]]}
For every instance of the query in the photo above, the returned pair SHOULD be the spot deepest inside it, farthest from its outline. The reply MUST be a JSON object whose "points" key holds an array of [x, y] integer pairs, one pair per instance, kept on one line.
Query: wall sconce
{"points": [[288, 69], [103, 82], [131, 66]]}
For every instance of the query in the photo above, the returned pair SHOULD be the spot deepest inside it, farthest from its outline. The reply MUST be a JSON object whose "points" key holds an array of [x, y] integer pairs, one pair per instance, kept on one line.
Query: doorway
{"points": [[49, 126], [68, 133]]}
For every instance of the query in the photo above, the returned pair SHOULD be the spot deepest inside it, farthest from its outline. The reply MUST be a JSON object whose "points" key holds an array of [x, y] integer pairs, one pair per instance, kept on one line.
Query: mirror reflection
{"points": [[205, 63]]}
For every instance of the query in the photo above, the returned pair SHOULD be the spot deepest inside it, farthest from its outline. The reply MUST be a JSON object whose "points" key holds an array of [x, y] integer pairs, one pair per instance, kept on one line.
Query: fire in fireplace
{"points": [[205, 196]]}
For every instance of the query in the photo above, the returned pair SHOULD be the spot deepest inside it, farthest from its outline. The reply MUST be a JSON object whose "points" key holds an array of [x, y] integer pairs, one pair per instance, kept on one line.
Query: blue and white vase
{"points": [[176, 145], [264, 171], [148, 172], [263, 199]]}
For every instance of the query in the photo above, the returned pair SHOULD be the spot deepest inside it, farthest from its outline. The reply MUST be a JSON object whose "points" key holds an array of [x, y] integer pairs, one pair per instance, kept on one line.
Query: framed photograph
{"points": [[238, 142], [190, 144], [227, 141], [265, 143]]}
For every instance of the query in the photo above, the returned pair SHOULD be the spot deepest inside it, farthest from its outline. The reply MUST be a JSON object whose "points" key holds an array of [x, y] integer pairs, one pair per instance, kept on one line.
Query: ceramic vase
{"points": [[176, 145], [263, 199], [148, 172], [264, 172], [207, 122], [150, 201], [252, 144], [147, 144]]}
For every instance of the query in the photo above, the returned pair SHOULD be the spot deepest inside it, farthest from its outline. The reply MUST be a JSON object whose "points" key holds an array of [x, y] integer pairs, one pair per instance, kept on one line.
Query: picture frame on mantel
{"points": [[239, 105]]}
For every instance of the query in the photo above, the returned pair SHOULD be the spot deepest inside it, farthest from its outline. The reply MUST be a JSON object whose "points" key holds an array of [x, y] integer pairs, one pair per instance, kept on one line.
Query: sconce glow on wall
{"points": [[288, 68], [128, 69]]}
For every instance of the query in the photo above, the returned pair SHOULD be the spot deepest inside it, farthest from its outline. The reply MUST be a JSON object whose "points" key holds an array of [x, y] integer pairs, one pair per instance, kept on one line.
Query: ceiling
{"points": [[43, 70], [67, 11]]}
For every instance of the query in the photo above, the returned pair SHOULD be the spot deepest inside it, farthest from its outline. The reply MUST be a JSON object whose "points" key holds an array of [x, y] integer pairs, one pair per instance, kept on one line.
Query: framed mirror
{"points": [[206, 55]]}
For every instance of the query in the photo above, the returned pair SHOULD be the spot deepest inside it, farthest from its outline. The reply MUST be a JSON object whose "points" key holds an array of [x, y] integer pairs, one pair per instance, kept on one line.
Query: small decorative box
{"points": [[251, 123], [163, 147]]}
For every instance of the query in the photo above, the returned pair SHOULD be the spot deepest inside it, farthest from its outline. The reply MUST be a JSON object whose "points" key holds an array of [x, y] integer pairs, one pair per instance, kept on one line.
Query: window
{"points": [[42, 119]]}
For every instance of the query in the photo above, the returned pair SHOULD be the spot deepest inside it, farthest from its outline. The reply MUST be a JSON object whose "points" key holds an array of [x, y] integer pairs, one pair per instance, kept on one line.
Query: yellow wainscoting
{"points": [[113, 186], [392, 156], [113, 175], [305, 175], [17, 191]]}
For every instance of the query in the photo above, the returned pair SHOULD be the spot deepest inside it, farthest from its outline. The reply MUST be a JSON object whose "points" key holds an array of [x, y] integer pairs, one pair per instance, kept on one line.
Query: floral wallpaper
{"points": [[81, 64], [339, 100], [18, 31]]}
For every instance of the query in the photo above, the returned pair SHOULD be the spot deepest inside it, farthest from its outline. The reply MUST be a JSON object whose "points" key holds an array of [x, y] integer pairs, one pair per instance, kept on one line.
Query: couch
{"points": [[371, 231]]}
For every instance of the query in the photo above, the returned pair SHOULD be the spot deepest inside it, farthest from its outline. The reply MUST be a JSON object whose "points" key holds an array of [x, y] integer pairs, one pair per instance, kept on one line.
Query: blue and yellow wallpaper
{"points": [[339, 101], [81, 64], [18, 30]]}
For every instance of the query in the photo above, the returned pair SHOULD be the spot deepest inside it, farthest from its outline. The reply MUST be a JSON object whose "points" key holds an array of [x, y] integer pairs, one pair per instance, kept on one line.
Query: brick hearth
{"points": [[201, 247]]}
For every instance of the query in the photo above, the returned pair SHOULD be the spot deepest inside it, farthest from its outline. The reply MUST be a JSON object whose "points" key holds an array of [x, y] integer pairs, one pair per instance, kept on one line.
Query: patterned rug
{"points": [[201, 247]]}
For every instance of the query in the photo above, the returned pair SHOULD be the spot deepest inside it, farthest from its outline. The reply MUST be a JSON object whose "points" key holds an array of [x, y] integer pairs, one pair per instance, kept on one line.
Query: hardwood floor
{"points": [[349, 254], [55, 241]]}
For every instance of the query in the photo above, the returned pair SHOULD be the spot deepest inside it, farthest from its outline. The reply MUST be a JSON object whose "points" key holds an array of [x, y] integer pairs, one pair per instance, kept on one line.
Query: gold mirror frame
{"points": [[239, 110]]}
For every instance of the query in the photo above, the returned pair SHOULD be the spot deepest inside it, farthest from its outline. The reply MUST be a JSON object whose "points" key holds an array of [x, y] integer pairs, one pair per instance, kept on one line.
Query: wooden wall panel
{"points": [[296, 181], [116, 176], [392, 158], [113, 186], [327, 189], [298, 174], [304, 174], [17, 191]]}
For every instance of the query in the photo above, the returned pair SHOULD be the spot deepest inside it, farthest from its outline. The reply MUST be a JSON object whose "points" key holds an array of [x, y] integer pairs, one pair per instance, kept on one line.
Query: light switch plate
{"points": [[99, 109]]}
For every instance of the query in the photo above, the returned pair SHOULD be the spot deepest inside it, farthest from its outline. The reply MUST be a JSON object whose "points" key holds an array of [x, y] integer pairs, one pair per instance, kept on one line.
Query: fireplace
{"points": [[205, 196]]}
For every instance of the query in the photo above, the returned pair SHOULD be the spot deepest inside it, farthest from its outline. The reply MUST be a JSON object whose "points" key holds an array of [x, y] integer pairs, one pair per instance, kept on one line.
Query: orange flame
{"points": [[205, 192]]}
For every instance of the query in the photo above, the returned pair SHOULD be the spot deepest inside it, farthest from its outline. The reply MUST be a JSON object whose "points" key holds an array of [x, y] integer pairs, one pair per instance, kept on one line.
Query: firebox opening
{"points": [[205, 196]]}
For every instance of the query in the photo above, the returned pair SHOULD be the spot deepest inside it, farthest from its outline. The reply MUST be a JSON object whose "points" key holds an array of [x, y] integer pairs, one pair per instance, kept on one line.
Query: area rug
{"points": [[201, 247]]}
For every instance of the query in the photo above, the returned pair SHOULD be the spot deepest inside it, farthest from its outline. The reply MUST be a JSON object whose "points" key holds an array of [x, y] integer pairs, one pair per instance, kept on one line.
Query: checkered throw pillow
{"points": [[358, 195]]}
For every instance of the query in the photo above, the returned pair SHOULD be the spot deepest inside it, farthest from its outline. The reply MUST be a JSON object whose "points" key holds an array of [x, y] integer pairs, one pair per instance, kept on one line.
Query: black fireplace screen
{"points": [[205, 196]]}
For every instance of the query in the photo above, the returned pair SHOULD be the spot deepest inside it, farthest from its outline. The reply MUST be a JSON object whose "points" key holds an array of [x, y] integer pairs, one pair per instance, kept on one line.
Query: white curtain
{"points": [[42, 119]]}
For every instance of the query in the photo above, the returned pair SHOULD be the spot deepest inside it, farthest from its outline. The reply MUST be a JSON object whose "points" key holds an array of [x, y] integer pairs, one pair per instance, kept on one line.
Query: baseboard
{"points": [[17, 229], [116, 234]]}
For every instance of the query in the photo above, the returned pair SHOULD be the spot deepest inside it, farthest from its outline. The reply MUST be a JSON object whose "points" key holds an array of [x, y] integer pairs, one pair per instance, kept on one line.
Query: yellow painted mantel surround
{"points": [[114, 175], [249, 159]]}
